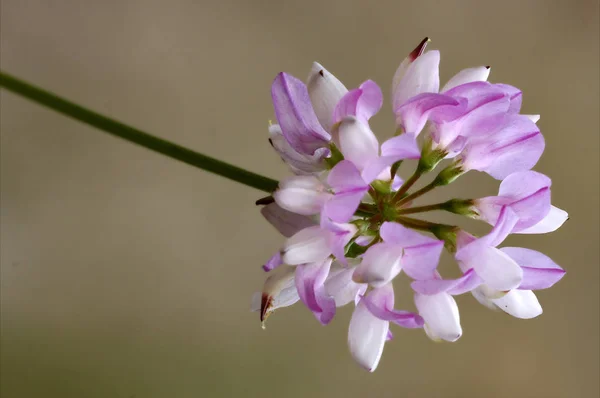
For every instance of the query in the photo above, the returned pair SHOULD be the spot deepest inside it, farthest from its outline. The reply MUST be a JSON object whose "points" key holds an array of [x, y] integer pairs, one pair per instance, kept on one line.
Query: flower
{"points": [[346, 214]]}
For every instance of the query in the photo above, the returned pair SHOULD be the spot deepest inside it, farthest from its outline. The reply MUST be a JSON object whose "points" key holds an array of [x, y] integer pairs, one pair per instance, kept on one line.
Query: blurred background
{"points": [[128, 274]]}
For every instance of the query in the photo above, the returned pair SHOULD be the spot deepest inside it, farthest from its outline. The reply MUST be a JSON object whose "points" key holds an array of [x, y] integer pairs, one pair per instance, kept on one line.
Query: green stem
{"points": [[407, 184], [418, 193], [136, 136], [422, 209]]}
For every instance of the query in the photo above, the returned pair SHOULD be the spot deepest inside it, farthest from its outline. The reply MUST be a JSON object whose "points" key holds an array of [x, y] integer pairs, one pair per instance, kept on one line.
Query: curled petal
{"points": [[539, 271], [307, 246], [380, 302], [554, 219], [441, 316], [469, 281], [520, 304], [301, 194], [273, 262], [515, 95], [286, 222], [296, 116], [356, 141], [380, 264], [310, 279], [325, 91], [422, 76], [299, 163], [477, 74], [530, 210], [413, 113], [366, 337], [362, 103]]}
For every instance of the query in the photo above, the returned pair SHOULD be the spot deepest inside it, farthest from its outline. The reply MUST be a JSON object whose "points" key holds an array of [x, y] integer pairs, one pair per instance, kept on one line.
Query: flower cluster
{"points": [[347, 215]]}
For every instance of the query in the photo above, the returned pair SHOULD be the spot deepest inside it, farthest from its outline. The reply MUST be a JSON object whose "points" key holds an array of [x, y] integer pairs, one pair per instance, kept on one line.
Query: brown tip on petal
{"points": [[265, 307], [271, 142], [321, 72], [419, 49], [265, 201], [487, 67]]}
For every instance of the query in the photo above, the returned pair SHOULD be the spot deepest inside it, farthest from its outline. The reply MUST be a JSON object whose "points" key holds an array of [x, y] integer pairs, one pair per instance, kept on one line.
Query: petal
{"points": [[381, 263], [325, 91], [413, 113], [469, 281], [533, 118], [516, 97], [393, 232], [497, 269], [356, 141], [273, 262], [539, 271], [420, 261], [422, 76], [345, 177], [362, 103], [406, 62], [520, 304], [380, 302], [339, 235], [480, 295], [298, 163], [366, 337], [341, 207], [301, 194], [342, 288], [278, 291], [517, 146], [307, 246], [507, 219], [296, 116], [286, 222], [310, 279], [553, 220], [441, 316], [522, 184], [477, 74]]}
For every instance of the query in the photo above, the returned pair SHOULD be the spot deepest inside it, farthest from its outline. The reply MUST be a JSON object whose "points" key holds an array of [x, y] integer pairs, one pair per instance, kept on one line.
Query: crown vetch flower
{"points": [[347, 215]]}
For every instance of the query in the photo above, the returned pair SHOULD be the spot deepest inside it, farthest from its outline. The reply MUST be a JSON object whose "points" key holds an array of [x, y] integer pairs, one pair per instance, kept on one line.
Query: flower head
{"points": [[347, 215]]}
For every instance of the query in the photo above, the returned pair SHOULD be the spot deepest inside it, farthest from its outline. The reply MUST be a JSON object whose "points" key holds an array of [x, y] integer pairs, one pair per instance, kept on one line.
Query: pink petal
{"points": [[413, 113], [554, 219], [520, 304], [309, 245], [273, 262], [286, 222], [441, 316], [339, 235], [465, 283], [469, 75], [522, 184], [401, 147], [516, 97], [341, 207], [392, 232], [420, 261], [325, 91], [504, 226], [380, 264], [345, 177], [356, 141], [406, 62], [298, 163], [380, 302], [366, 337], [310, 279], [539, 271], [497, 269], [362, 103], [296, 116], [422, 76]]}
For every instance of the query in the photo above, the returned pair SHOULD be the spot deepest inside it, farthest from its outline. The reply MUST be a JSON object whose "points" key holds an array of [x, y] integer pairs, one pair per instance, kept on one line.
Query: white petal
{"points": [[301, 194], [483, 299], [306, 246], [555, 218], [381, 263], [325, 91], [341, 287], [533, 118], [520, 304], [366, 337], [497, 269], [422, 76], [478, 74], [356, 141], [440, 313]]}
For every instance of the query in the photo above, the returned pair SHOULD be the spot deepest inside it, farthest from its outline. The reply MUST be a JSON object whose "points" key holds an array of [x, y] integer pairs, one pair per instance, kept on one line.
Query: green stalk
{"points": [[136, 136]]}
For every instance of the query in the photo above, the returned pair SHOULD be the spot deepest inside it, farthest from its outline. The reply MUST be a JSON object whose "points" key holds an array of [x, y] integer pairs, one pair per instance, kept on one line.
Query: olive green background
{"points": [[127, 274]]}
